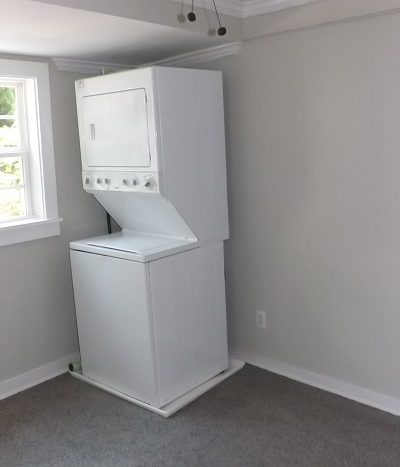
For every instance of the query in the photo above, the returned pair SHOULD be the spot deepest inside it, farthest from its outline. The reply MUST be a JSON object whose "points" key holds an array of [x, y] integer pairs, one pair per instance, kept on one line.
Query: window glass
{"points": [[8, 100], [11, 172], [9, 124], [12, 203], [9, 134], [12, 188]]}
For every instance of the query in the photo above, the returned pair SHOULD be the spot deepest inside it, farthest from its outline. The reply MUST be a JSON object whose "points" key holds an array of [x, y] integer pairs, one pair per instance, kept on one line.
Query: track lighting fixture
{"points": [[191, 16], [221, 30]]}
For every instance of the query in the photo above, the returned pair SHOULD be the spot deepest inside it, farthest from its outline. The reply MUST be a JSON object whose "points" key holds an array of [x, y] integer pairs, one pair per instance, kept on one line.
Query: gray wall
{"points": [[313, 139], [37, 315], [313, 130]]}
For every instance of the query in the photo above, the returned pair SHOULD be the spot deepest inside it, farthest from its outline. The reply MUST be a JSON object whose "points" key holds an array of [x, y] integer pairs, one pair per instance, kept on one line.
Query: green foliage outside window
{"points": [[12, 203], [10, 172], [9, 133], [11, 198], [7, 104]]}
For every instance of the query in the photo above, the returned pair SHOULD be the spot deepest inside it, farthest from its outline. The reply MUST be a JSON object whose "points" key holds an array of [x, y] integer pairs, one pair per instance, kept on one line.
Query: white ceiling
{"points": [[43, 28], [46, 30], [248, 8]]}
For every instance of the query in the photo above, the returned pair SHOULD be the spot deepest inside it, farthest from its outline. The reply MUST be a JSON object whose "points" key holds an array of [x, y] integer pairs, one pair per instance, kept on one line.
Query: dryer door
{"points": [[116, 129]]}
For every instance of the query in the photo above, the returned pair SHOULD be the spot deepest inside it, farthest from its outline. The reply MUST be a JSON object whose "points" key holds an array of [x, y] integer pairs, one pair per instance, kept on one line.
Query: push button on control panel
{"points": [[128, 182]]}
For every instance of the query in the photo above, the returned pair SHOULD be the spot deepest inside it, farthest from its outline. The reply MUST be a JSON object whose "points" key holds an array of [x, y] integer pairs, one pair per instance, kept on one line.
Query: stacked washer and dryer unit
{"points": [[150, 299]]}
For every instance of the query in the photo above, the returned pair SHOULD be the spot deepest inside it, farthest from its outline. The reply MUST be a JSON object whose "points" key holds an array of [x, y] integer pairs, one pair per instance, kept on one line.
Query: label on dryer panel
{"points": [[141, 182]]}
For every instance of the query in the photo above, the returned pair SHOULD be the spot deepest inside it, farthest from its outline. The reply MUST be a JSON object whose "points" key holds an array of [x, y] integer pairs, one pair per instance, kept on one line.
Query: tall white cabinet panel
{"points": [[116, 129], [189, 318], [191, 114], [114, 324]]}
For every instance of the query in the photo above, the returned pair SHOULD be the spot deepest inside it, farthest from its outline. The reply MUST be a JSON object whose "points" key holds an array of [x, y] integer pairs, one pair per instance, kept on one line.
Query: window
{"points": [[28, 199], [14, 185]]}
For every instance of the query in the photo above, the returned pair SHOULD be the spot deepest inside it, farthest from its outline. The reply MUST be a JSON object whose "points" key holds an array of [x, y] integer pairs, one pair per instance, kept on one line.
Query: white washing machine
{"points": [[150, 300]]}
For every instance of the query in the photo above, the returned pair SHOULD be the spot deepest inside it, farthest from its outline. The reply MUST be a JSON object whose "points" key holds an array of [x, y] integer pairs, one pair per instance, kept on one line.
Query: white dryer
{"points": [[150, 300]]}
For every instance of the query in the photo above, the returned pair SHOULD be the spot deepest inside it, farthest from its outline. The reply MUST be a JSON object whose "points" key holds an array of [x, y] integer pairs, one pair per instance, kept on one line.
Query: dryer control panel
{"points": [[141, 182]]}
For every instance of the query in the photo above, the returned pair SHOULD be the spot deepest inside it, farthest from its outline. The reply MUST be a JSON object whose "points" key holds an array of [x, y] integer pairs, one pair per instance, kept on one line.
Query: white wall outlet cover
{"points": [[261, 318]]}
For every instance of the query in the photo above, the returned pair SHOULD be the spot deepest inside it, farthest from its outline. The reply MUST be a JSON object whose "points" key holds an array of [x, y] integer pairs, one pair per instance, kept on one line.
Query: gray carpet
{"points": [[254, 418]]}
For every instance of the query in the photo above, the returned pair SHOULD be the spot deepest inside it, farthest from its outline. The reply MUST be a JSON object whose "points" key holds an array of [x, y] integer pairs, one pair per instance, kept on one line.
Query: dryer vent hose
{"points": [[75, 366], [109, 229]]}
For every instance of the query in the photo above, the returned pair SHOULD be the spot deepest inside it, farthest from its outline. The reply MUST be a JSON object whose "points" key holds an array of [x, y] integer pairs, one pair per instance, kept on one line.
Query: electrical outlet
{"points": [[261, 318]]}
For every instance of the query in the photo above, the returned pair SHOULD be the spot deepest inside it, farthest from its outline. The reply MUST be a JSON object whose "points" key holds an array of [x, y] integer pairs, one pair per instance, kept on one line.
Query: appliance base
{"points": [[175, 405]]}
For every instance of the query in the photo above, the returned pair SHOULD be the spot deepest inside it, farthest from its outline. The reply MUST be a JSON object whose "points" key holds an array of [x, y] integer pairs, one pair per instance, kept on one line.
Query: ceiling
{"points": [[40, 29], [249, 8], [70, 29]]}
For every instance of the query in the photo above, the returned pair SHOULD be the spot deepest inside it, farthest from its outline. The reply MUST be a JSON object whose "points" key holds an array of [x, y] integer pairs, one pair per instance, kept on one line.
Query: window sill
{"points": [[26, 230]]}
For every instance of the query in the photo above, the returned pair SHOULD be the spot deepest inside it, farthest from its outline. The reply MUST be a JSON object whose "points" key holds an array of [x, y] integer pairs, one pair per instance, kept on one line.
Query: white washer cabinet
{"points": [[152, 331], [150, 300]]}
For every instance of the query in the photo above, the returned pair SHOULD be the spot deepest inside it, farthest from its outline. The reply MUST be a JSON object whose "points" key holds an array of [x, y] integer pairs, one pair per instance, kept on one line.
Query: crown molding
{"points": [[263, 7], [201, 56], [226, 7], [190, 58], [87, 66], [248, 8]]}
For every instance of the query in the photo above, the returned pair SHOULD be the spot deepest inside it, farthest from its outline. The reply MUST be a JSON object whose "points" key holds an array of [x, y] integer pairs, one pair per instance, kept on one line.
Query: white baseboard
{"points": [[350, 391], [357, 393], [36, 376]]}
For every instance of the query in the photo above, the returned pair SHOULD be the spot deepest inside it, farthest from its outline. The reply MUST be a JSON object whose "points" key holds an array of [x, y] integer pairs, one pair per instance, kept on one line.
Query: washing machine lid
{"points": [[134, 246]]}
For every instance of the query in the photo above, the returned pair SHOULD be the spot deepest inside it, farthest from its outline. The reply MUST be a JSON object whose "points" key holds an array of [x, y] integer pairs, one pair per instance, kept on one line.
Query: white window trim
{"points": [[46, 223]]}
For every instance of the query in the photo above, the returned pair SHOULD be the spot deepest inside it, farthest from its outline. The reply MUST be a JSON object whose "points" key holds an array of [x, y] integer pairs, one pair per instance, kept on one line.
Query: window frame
{"points": [[39, 168]]}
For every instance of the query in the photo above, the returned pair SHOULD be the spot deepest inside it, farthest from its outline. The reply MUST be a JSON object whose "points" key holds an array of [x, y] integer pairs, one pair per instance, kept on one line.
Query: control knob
{"points": [[148, 181], [99, 181], [87, 180]]}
